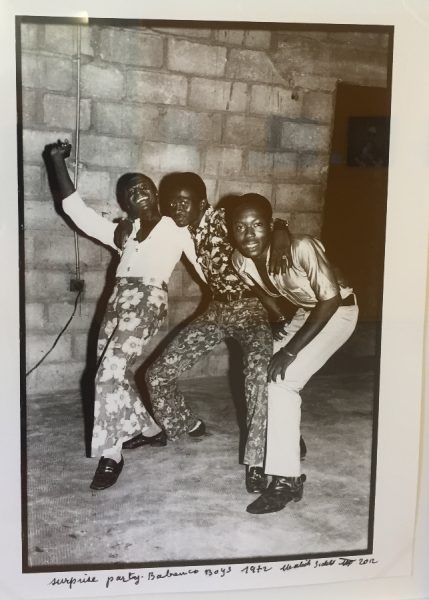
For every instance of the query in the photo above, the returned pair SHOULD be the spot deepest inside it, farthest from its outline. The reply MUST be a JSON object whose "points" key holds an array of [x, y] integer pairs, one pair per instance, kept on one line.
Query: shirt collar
{"points": [[202, 223]]}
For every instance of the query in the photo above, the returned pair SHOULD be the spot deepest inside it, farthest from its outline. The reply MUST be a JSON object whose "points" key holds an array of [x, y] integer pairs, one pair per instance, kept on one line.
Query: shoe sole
{"points": [[105, 487], [259, 491], [199, 431]]}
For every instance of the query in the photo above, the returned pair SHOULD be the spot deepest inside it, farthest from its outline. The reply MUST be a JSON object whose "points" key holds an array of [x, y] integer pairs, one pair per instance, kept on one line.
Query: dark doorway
{"points": [[355, 208]]}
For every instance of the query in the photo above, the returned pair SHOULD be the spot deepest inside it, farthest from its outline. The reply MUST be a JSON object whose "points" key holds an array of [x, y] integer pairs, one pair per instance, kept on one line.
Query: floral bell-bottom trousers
{"points": [[133, 316], [244, 320]]}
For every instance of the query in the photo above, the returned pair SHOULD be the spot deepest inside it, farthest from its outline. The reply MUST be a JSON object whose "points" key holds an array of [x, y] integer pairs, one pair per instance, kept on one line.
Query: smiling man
{"points": [[234, 312], [325, 318], [135, 311]]}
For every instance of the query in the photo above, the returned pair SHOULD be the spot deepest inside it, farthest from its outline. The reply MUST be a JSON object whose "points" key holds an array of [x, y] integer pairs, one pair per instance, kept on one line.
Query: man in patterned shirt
{"points": [[234, 311]]}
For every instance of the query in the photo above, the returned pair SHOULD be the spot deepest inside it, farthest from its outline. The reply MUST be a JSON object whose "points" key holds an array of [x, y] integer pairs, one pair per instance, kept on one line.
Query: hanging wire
{"points": [[58, 336], [76, 154], [75, 178]]}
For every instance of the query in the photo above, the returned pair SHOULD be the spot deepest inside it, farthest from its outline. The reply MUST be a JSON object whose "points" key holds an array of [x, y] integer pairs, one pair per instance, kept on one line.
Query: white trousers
{"points": [[284, 401]]}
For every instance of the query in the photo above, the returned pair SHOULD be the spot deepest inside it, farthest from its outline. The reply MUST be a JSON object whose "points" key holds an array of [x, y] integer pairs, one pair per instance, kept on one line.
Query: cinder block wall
{"points": [[248, 110]]}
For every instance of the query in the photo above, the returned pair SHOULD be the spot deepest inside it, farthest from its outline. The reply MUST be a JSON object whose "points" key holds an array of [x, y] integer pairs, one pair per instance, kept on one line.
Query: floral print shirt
{"points": [[214, 251]]}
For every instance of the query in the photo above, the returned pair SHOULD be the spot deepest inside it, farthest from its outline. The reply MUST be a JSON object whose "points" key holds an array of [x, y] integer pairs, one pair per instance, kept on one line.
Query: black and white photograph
{"points": [[368, 142], [201, 216], [143, 142]]}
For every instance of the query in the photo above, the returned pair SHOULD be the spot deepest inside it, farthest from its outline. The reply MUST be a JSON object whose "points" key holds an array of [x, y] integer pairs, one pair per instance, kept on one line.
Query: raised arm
{"points": [[84, 217], [56, 155]]}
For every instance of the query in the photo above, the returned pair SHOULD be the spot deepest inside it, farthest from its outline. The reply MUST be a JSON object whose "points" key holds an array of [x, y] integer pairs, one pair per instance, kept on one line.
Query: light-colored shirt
{"points": [[308, 280], [153, 259]]}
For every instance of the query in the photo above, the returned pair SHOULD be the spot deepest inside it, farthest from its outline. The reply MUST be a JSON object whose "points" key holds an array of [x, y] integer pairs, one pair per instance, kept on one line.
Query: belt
{"points": [[232, 296], [349, 300]]}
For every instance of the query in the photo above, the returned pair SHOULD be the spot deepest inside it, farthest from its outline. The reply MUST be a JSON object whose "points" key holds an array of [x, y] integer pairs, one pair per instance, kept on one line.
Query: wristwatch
{"points": [[280, 224], [281, 319]]}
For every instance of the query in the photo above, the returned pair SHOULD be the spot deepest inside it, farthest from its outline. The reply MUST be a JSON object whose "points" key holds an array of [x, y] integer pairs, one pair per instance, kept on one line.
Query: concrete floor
{"points": [[187, 501]]}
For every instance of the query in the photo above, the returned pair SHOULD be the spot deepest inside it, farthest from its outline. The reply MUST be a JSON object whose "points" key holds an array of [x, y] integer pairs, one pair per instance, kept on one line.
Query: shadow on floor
{"points": [[182, 502]]}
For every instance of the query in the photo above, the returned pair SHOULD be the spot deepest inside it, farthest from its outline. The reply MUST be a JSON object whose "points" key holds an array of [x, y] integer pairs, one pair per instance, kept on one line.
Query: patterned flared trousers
{"points": [[244, 320], [134, 315]]}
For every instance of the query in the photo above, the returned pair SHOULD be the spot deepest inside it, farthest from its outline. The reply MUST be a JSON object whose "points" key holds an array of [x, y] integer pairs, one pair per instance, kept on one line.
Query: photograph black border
{"points": [[126, 22]]}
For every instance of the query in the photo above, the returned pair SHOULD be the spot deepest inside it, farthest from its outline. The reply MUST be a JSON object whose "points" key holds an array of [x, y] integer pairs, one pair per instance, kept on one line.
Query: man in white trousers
{"points": [[325, 318]]}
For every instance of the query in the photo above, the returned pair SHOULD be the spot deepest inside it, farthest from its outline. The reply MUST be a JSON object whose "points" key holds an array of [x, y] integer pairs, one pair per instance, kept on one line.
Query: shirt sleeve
{"points": [[310, 255], [189, 251], [239, 264], [182, 241], [186, 245], [88, 220]]}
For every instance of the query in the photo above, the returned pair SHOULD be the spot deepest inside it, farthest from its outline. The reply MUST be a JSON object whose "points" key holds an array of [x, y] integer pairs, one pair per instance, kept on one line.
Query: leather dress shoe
{"points": [[160, 439], [107, 473], [256, 480], [280, 492], [302, 448], [198, 431]]}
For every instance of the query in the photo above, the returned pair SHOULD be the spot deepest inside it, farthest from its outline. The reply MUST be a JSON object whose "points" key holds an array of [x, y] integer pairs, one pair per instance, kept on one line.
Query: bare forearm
{"points": [[280, 254], [317, 320], [63, 181], [269, 303], [279, 308]]}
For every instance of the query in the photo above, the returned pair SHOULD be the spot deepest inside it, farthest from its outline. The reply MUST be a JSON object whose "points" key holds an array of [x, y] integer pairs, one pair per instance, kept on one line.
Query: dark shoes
{"points": [[198, 431], [256, 480], [302, 448], [107, 473], [280, 491], [160, 439]]}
